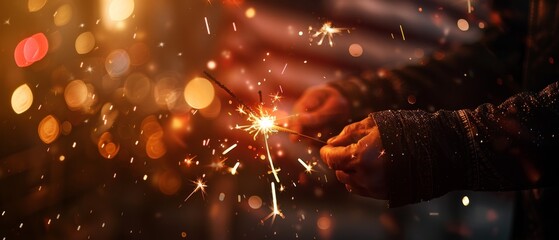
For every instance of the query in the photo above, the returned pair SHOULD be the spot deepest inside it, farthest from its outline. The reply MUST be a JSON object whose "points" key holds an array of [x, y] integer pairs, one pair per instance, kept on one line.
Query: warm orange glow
{"points": [[169, 182], [22, 99], [155, 147], [107, 147], [199, 93], [117, 63], [85, 42], [35, 5], [255, 202], [76, 95], [137, 87], [63, 15], [120, 9], [48, 129]]}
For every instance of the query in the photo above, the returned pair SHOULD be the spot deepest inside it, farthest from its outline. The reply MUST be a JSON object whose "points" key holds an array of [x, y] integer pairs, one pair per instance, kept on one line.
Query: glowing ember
{"points": [[234, 169], [326, 31], [262, 123], [308, 167], [275, 210], [200, 186]]}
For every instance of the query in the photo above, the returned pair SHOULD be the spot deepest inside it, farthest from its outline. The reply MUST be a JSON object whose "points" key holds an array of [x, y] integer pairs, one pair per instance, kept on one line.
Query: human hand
{"points": [[318, 108], [356, 155]]}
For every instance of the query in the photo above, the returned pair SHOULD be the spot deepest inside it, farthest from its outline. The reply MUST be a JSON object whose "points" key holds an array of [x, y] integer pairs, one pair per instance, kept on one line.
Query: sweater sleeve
{"points": [[510, 146]]}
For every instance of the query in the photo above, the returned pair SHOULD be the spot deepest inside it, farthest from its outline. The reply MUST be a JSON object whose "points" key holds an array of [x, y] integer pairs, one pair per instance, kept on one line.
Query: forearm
{"points": [[510, 146]]}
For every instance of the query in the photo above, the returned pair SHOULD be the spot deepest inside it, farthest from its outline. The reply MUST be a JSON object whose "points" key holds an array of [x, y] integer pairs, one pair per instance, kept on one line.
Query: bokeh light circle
{"points": [[117, 63], [85, 42], [355, 50], [49, 129], [107, 147], [137, 87], [31, 49], [169, 182], [120, 9], [199, 93], [22, 99], [463, 25], [155, 147], [254, 202], [35, 5], [63, 15], [75, 95]]}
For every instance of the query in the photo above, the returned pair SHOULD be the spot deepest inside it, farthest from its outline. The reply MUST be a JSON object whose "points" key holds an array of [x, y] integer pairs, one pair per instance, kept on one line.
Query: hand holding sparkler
{"points": [[357, 156]]}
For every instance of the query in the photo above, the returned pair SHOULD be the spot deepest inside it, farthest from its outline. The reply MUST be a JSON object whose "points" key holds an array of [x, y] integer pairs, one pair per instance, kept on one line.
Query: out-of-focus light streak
{"points": [[469, 6], [229, 149], [234, 27], [207, 25], [308, 167], [284, 67], [326, 31], [275, 210], [402, 31], [200, 186], [234, 169]]}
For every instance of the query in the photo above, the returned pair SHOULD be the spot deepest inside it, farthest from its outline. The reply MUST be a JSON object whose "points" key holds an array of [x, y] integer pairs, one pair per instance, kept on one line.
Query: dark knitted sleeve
{"points": [[514, 145]]}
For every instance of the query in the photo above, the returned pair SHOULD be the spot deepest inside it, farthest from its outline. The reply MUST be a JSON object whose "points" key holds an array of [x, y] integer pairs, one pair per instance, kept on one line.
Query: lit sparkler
{"points": [[326, 31], [275, 210], [308, 167], [200, 186], [262, 123]]}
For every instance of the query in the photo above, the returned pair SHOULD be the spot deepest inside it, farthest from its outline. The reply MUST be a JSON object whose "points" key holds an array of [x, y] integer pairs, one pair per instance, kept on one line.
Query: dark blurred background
{"points": [[125, 146]]}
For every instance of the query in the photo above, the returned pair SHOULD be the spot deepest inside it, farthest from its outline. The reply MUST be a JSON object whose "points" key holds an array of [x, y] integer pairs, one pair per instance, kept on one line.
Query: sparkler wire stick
{"points": [[229, 92], [274, 171]]}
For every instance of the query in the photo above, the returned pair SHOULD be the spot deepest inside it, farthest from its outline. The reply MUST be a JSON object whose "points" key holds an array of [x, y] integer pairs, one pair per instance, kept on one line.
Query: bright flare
{"points": [[326, 31]]}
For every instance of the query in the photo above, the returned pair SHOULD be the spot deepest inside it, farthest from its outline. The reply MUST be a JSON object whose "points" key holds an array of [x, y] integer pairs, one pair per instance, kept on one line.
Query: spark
{"points": [[326, 31], [229, 149], [469, 6], [276, 97], [218, 164], [241, 110], [207, 25], [234, 169], [308, 167], [284, 67], [234, 27], [200, 186], [275, 210], [402, 30], [262, 123]]}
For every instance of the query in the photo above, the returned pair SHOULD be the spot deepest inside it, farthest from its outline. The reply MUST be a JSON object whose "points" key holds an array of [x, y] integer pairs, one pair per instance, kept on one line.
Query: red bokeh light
{"points": [[31, 49]]}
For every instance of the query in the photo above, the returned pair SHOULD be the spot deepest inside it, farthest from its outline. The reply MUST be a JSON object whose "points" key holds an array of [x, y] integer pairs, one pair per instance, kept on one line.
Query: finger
{"points": [[339, 158], [342, 177], [352, 188], [350, 134]]}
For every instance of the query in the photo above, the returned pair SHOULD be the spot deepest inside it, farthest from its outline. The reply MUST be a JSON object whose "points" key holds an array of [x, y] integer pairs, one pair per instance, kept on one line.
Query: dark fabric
{"points": [[492, 148]]}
